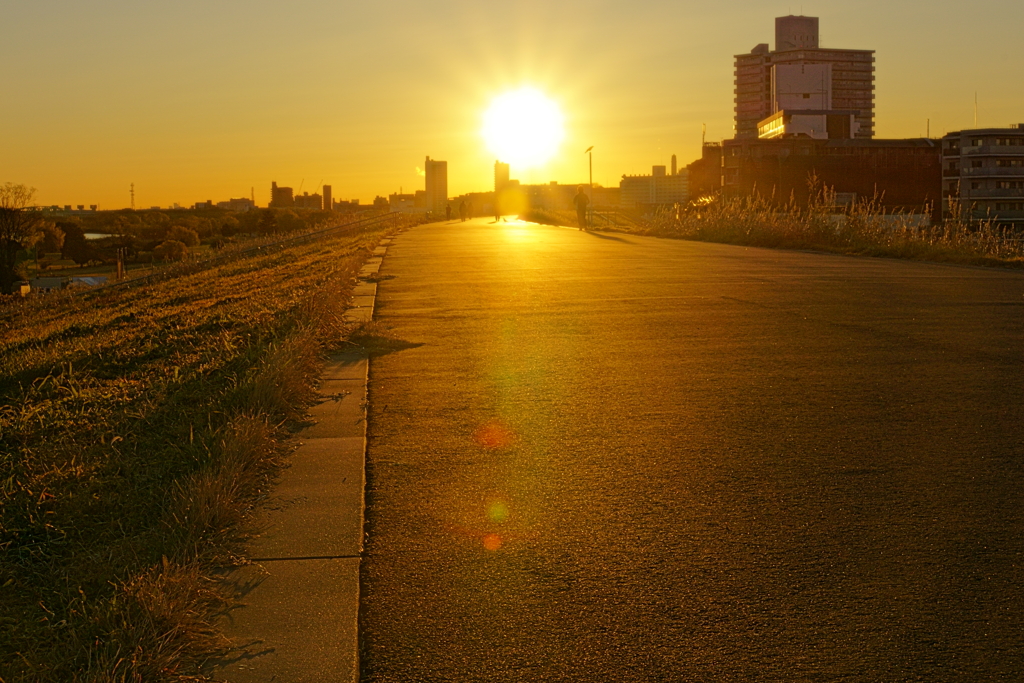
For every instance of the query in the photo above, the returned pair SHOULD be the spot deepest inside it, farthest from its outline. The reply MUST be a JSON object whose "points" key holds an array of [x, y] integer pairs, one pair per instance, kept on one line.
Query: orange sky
{"points": [[198, 100]]}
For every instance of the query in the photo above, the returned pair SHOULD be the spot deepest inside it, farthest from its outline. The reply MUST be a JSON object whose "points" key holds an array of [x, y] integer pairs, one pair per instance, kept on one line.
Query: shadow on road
{"points": [[377, 340], [607, 237]]}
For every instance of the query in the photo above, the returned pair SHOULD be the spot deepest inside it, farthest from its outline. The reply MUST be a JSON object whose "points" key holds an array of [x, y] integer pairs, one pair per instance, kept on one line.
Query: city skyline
{"points": [[193, 102]]}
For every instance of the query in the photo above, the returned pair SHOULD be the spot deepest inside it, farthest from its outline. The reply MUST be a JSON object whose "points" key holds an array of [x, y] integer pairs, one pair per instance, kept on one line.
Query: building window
{"points": [[975, 186], [976, 163], [1010, 163], [978, 142]]}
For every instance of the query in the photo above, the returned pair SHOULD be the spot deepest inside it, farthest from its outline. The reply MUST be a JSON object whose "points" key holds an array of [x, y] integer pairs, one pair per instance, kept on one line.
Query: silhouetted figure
{"points": [[448, 212], [581, 200], [462, 210]]}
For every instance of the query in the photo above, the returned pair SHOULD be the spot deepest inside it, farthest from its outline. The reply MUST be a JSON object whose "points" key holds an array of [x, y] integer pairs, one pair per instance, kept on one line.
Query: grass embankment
{"points": [[137, 428], [862, 230]]}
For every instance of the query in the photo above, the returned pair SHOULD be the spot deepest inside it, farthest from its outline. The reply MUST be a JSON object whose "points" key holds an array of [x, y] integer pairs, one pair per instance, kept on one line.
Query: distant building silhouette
{"points": [[328, 199], [281, 197], [242, 204], [804, 87], [309, 201], [436, 173], [658, 189], [558, 197], [983, 169], [403, 203], [501, 176]]}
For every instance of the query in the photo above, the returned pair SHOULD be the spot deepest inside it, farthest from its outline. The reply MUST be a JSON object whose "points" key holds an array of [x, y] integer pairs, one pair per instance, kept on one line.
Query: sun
{"points": [[523, 128]]}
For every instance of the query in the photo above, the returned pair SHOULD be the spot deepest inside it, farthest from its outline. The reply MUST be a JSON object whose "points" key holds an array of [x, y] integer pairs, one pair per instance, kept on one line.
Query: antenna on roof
{"points": [[975, 108]]}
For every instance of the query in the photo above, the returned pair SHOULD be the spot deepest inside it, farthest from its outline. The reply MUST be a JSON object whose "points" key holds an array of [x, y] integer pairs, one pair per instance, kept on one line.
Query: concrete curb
{"points": [[298, 613]]}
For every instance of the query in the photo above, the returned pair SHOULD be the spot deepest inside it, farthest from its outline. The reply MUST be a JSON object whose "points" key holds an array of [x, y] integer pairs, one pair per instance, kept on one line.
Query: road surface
{"points": [[618, 458]]}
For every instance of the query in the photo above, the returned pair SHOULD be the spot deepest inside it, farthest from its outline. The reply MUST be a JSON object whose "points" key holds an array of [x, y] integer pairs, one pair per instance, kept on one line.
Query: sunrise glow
{"points": [[523, 128]]}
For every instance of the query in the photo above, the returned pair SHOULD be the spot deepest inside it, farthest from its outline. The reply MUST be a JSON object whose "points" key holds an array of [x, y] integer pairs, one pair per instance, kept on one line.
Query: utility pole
{"points": [[133, 196]]}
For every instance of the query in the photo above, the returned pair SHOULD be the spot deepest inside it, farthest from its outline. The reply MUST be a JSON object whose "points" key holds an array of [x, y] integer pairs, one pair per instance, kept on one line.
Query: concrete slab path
{"points": [[297, 619]]}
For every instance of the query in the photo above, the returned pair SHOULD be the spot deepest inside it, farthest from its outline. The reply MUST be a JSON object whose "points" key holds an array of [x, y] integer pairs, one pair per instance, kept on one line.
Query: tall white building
{"points": [[799, 75], [436, 173]]}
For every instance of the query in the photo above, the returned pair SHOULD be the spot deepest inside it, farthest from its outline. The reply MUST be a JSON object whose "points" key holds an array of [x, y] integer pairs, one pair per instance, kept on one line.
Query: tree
{"points": [[186, 236], [76, 247], [16, 226], [52, 241], [170, 250], [229, 226], [268, 222]]}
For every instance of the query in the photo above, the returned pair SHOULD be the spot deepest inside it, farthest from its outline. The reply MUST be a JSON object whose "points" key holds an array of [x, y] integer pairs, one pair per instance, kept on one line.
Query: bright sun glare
{"points": [[523, 128]]}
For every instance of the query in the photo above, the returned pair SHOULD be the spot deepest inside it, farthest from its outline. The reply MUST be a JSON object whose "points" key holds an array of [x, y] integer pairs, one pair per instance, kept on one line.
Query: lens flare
{"points": [[497, 511], [492, 542], [523, 128], [493, 435]]}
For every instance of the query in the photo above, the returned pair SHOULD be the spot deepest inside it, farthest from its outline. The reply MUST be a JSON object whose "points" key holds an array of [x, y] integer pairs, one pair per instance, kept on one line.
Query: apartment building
{"points": [[983, 173], [802, 76]]}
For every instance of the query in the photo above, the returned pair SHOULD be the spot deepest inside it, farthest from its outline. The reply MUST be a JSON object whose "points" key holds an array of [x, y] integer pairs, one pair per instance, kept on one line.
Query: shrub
{"points": [[170, 250]]}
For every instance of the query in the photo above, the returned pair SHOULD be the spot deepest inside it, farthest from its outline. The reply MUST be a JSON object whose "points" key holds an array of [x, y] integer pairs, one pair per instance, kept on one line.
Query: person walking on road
{"points": [[462, 210], [448, 212], [581, 200]]}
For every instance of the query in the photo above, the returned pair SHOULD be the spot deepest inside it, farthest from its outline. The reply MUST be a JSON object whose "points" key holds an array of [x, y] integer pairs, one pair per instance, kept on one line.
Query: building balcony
{"points": [[994, 150], [993, 172], [994, 194]]}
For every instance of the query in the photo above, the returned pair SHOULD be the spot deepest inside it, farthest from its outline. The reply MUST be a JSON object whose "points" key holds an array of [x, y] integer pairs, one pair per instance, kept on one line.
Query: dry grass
{"points": [[138, 427], [861, 229]]}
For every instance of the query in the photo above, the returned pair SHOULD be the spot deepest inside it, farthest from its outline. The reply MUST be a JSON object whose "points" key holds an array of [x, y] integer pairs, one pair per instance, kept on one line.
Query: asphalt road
{"points": [[617, 458]]}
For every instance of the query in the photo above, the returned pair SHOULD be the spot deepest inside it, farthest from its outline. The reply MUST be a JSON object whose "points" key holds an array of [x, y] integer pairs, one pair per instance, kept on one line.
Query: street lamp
{"points": [[590, 206]]}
